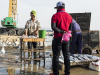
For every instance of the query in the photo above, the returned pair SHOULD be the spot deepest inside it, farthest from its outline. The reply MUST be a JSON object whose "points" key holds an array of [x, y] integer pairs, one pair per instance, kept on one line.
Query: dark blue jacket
{"points": [[75, 26]]}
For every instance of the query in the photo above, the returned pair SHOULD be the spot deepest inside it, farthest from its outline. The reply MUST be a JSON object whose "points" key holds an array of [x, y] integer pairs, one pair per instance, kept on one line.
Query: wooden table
{"points": [[38, 49]]}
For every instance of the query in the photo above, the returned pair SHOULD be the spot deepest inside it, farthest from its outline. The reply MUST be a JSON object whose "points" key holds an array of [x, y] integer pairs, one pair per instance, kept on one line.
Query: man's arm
{"points": [[38, 27], [54, 28], [26, 28], [70, 27], [25, 32]]}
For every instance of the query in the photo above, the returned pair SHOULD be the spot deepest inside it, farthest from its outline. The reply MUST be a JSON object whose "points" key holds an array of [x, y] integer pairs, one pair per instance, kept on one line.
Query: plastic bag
{"points": [[66, 36]]}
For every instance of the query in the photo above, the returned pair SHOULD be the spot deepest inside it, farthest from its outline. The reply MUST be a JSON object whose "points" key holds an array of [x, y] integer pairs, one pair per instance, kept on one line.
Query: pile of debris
{"points": [[10, 40]]}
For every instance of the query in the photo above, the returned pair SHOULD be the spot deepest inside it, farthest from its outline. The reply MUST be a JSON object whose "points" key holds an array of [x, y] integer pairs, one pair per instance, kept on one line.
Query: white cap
{"points": [[62, 4]]}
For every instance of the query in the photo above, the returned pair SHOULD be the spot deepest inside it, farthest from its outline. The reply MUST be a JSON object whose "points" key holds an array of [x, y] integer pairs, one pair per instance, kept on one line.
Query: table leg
{"points": [[39, 48], [21, 50], [24, 50], [43, 45], [44, 53], [30, 56]]}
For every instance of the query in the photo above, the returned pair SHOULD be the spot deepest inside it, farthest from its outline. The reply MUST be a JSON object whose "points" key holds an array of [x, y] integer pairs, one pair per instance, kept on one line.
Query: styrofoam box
{"points": [[94, 67]]}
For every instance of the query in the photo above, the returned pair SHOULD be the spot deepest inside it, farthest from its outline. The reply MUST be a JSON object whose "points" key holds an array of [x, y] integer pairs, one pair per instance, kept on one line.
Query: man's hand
{"points": [[36, 32], [64, 32], [25, 32]]}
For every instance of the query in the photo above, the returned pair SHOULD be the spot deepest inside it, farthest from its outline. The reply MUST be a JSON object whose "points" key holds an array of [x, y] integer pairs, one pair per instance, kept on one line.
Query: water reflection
{"points": [[11, 71], [33, 69]]}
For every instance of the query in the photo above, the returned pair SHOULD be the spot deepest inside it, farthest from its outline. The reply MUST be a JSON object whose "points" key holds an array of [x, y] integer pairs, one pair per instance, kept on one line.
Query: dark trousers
{"points": [[30, 44], [76, 40], [34, 44], [57, 46]]}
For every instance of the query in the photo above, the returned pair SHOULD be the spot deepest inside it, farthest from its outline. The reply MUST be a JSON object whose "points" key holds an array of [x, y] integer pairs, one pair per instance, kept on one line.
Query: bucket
{"points": [[42, 33]]}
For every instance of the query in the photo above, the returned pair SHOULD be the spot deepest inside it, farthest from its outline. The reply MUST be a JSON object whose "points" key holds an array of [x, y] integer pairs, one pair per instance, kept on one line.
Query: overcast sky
{"points": [[45, 10]]}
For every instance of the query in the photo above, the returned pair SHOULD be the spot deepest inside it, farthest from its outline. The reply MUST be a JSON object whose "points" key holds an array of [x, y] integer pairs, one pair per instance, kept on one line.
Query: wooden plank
{"points": [[33, 39], [27, 40], [27, 49], [38, 39], [33, 50], [72, 63], [35, 59], [81, 62]]}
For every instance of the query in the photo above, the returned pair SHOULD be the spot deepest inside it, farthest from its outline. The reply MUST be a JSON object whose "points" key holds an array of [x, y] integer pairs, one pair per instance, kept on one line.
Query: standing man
{"points": [[76, 37], [31, 28], [60, 23]]}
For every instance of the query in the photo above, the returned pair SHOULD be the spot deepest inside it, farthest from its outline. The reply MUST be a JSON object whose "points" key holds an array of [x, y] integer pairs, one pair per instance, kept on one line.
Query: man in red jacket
{"points": [[60, 23]]}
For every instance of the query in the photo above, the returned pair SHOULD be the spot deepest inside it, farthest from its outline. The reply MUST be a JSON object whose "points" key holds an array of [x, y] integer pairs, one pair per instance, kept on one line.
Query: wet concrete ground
{"points": [[10, 65]]}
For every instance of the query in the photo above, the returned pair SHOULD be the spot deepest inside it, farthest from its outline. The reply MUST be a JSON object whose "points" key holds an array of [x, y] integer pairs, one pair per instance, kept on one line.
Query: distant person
{"points": [[31, 29], [76, 38], [60, 24]]}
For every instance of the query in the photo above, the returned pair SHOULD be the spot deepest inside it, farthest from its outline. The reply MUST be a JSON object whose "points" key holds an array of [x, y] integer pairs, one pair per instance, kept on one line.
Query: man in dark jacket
{"points": [[60, 23]]}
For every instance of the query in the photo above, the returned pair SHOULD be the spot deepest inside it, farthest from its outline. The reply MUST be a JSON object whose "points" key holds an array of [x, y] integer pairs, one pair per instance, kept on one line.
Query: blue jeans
{"points": [[57, 46]]}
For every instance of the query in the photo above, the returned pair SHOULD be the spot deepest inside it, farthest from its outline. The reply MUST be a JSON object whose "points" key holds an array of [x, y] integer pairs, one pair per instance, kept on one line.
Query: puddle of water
{"points": [[10, 65], [27, 69]]}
